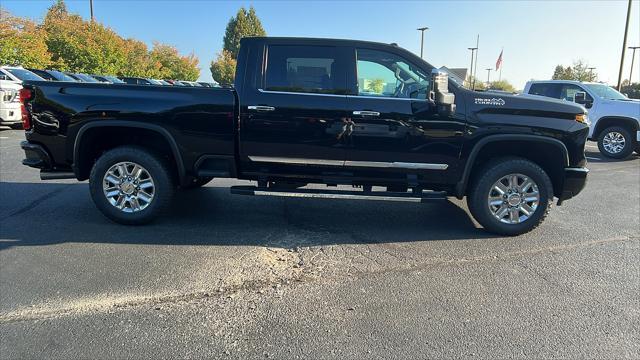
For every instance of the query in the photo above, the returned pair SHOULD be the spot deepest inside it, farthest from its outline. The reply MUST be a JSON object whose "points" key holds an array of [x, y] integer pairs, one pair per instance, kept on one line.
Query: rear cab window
{"points": [[305, 69]]}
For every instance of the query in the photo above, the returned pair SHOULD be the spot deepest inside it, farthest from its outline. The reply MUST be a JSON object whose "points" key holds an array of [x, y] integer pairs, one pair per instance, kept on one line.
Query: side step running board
{"points": [[339, 194]]}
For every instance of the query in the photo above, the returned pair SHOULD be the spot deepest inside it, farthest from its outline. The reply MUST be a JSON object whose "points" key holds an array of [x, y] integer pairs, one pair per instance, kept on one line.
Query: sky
{"points": [[535, 35]]}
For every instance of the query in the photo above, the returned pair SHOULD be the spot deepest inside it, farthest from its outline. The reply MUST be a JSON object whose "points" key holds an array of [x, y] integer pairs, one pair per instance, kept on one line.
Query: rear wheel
{"points": [[131, 185], [616, 142], [511, 197]]}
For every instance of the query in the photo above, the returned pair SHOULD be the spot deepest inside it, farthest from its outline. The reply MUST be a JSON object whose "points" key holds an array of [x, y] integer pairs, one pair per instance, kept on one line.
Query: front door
{"points": [[294, 120], [397, 131]]}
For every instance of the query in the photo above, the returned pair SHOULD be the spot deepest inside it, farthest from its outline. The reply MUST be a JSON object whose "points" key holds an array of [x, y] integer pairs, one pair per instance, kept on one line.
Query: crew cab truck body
{"points": [[615, 119], [302, 111]]}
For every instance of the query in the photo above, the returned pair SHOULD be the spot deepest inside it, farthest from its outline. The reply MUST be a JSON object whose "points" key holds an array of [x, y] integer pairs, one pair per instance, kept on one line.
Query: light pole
{"points": [[488, 75], [633, 57], [591, 73], [624, 46], [473, 49], [91, 8], [422, 30]]}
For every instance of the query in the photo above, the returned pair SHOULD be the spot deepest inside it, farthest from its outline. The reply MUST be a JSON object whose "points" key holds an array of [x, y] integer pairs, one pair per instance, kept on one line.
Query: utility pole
{"points": [[473, 49], [475, 68], [624, 46], [488, 76], [91, 7], [422, 29], [591, 73], [633, 57]]}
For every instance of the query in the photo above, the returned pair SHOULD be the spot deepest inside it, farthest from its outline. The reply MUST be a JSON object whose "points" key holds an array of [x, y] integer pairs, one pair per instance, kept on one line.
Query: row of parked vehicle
{"points": [[11, 78]]}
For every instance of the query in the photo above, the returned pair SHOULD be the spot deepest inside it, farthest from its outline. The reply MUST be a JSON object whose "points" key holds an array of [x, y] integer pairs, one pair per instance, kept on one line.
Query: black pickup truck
{"points": [[312, 111]]}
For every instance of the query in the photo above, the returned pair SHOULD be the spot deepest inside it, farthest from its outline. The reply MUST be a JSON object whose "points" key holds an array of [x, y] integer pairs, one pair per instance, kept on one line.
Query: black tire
{"points": [[157, 169], [196, 182], [481, 188], [629, 142]]}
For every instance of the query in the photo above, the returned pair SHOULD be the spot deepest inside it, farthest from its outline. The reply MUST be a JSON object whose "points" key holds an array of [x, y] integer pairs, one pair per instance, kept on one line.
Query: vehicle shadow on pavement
{"points": [[60, 213]]}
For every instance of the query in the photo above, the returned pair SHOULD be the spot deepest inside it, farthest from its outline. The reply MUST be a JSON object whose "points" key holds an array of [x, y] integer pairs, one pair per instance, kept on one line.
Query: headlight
{"points": [[583, 118]]}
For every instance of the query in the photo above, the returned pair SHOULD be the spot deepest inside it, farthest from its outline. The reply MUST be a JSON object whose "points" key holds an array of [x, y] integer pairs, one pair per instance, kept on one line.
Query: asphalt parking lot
{"points": [[251, 277]]}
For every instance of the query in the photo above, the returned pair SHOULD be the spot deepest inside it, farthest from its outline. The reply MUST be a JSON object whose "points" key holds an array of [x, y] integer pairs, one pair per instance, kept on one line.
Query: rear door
{"points": [[294, 118], [397, 131]]}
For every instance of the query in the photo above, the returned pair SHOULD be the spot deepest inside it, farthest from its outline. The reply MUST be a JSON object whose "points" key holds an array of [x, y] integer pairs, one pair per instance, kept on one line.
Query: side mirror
{"points": [[580, 98], [3, 77], [440, 95]]}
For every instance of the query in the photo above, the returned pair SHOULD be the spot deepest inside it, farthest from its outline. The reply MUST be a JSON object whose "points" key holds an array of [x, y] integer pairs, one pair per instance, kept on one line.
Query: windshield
{"points": [[113, 79], [605, 92], [86, 78], [60, 76], [23, 74]]}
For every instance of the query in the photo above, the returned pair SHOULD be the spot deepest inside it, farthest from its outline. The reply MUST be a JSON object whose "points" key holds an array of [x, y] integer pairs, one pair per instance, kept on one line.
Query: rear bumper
{"points": [[575, 179], [36, 156]]}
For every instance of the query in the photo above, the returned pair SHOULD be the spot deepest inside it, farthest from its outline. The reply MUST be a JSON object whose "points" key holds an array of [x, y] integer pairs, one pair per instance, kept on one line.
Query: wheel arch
{"points": [[487, 146], [82, 162], [608, 121]]}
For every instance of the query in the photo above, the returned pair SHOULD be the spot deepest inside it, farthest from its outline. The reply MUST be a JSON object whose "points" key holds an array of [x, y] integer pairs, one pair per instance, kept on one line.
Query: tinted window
{"points": [[388, 75], [43, 74], [60, 76], [308, 69], [568, 92], [24, 74], [545, 89]]}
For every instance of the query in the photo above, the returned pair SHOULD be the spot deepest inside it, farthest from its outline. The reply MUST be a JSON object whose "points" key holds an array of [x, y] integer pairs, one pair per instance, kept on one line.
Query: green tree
{"points": [[502, 85], [479, 85], [375, 85], [22, 42], [244, 24], [80, 45], [223, 68], [172, 64], [578, 72]]}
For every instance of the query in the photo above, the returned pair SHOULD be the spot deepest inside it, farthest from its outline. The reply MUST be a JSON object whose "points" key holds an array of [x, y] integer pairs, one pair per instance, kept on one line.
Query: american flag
{"points": [[499, 61]]}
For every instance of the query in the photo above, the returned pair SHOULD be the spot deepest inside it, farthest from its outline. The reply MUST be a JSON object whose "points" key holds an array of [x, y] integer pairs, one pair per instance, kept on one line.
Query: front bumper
{"points": [[575, 179]]}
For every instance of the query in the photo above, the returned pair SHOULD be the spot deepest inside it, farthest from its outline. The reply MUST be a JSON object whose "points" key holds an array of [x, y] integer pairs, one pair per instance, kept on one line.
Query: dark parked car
{"points": [[208, 84], [136, 81], [333, 112], [108, 79], [82, 77], [52, 75]]}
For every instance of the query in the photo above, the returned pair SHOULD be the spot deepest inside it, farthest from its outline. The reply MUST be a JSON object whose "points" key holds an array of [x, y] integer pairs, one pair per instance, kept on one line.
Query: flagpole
{"points": [[501, 64]]}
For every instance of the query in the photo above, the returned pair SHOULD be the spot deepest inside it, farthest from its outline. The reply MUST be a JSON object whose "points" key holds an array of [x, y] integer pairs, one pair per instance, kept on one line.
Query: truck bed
{"points": [[197, 120]]}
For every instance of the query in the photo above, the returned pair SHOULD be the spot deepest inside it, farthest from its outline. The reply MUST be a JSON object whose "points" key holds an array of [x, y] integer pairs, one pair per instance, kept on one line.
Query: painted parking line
{"points": [[593, 158]]}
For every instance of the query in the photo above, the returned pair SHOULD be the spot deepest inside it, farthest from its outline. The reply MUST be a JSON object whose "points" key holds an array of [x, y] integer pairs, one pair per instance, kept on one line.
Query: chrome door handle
{"points": [[260, 108], [366, 113]]}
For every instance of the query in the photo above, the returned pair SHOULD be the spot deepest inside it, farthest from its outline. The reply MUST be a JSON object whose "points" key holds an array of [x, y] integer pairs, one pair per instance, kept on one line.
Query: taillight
{"points": [[25, 95]]}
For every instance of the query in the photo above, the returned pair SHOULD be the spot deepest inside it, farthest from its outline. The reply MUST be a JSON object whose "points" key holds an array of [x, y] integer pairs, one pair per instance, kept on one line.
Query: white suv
{"points": [[615, 119]]}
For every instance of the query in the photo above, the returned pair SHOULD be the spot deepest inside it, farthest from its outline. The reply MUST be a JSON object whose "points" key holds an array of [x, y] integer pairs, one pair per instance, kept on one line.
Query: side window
{"points": [[569, 91], [305, 69], [388, 75], [545, 89]]}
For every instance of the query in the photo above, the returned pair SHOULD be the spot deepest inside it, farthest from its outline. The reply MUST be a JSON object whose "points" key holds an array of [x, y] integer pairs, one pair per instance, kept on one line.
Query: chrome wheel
{"points": [[128, 186], [514, 198], [613, 142]]}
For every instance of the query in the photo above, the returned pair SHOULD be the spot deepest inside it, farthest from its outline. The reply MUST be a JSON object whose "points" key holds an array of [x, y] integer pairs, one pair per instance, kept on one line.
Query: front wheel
{"points": [[616, 142], [511, 197], [131, 185]]}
